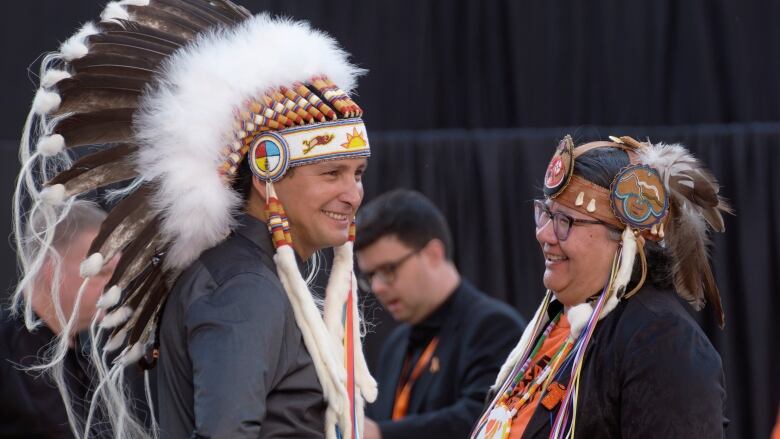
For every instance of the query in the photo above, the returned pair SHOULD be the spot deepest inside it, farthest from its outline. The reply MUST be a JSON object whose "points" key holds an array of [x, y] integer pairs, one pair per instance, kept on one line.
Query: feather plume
{"points": [[105, 126], [694, 204], [123, 225], [136, 256], [97, 170]]}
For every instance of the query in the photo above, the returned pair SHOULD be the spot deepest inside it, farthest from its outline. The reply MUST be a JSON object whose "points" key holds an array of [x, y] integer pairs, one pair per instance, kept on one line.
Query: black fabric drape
{"points": [[502, 63]]}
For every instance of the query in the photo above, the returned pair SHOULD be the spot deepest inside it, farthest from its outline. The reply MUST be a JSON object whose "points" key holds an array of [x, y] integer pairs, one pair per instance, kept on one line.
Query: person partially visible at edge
{"points": [[437, 366], [245, 156], [612, 351], [30, 404]]}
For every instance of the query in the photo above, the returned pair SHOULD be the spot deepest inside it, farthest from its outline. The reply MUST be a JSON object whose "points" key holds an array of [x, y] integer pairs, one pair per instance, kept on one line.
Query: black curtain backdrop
{"points": [[449, 82], [501, 63]]}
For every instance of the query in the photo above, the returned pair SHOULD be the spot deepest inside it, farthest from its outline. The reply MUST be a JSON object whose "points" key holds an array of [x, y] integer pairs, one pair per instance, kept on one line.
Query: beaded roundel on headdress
{"points": [[638, 197], [269, 156], [560, 169]]}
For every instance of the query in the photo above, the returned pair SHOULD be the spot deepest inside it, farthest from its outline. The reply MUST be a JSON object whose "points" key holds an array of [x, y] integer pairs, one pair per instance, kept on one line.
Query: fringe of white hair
{"points": [[578, 315]]}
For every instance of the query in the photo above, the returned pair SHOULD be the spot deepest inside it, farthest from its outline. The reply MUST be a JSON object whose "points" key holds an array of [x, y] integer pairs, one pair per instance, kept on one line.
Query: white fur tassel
{"points": [[53, 76], [525, 340], [92, 265], [116, 317], [76, 46], [578, 317], [627, 256], [365, 382], [53, 195], [110, 297], [115, 341], [52, 145], [45, 101], [310, 322], [337, 290], [116, 10]]}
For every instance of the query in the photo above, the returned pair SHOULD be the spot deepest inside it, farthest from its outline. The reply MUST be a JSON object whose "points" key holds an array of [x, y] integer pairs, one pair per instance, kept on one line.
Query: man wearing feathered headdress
{"points": [[244, 159]]}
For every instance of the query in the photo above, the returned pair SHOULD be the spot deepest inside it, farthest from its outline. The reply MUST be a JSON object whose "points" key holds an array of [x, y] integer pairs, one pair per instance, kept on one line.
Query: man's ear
{"points": [[435, 251]]}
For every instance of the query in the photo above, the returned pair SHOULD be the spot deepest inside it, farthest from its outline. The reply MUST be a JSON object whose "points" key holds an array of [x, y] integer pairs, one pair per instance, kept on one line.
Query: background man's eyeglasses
{"points": [[385, 273]]}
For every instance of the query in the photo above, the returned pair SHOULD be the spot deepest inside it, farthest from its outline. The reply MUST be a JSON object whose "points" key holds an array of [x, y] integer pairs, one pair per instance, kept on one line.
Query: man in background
{"points": [[436, 367], [30, 404]]}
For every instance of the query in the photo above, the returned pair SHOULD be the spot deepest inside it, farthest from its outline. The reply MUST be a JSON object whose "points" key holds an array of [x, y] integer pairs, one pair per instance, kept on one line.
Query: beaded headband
{"points": [[289, 127]]}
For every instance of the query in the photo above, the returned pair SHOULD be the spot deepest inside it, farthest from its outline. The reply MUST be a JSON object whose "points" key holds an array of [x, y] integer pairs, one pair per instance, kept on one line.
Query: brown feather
{"points": [[123, 63], [687, 240], [136, 294], [141, 31], [105, 126], [124, 42], [126, 220], [203, 18], [95, 171], [148, 310], [81, 100], [228, 9], [164, 21], [137, 254]]}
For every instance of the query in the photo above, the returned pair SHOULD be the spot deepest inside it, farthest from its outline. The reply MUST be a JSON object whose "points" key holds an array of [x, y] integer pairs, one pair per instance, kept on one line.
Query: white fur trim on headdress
{"points": [[76, 46], [117, 11], [51, 145], [110, 297], [53, 195], [45, 101], [53, 76], [182, 126], [92, 265], [116, 317], [115, 341]]}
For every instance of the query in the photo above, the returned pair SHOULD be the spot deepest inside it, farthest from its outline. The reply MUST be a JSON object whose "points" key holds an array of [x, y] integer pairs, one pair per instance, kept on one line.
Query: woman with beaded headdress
{"points": [[243, 158], [612, 352]]}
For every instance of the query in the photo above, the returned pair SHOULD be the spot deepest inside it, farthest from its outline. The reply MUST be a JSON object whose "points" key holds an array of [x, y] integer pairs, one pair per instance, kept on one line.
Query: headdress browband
{"points": [[636, 197]]}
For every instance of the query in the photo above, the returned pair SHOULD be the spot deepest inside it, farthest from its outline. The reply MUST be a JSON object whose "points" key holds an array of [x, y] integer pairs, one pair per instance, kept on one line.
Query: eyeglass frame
{"points": [[539, 204], [366, 278]]}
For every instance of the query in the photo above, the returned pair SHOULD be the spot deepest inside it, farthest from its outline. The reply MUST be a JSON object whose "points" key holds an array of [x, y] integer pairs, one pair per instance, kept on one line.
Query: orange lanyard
{"points": [[404, 389]]}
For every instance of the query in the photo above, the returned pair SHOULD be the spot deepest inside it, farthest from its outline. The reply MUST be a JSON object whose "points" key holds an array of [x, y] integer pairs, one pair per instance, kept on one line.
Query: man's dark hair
{"points": [[408, 215], [600, 166]]}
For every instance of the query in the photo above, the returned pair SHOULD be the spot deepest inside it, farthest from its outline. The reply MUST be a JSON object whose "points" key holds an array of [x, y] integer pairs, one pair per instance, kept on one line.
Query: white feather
{"points": [[92, 265], [668, 160], [52, 145], [53, 76], [75, 47], [53, 195], [45, 101], [110, 297], [578, 317], [116, 317], [183, 126]]}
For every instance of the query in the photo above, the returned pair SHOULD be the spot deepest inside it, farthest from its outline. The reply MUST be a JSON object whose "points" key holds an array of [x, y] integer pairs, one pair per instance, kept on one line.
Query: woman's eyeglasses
{"points": [[562, 223]]}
